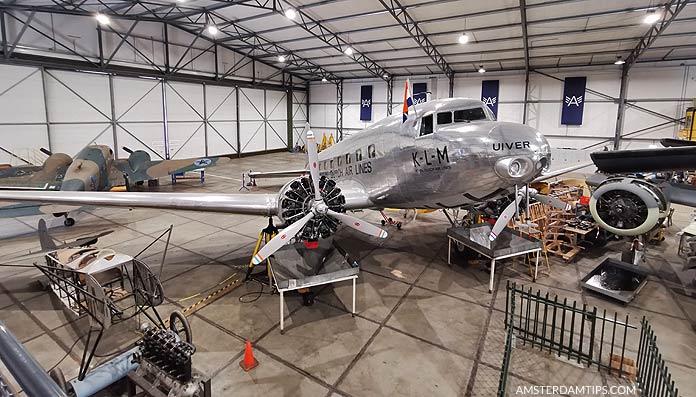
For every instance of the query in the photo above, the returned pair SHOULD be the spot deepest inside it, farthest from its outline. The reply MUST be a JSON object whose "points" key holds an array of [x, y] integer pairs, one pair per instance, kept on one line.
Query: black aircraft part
{"points": [[622, 209], [646, 160], [671, 142], [297, 202]]}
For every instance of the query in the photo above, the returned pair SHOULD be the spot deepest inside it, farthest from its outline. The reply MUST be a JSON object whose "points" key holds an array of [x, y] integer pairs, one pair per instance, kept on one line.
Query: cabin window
{"points": [[371, 151], [331, 164], [348, 158], [467, 115], [426, 127], [358, 155], [338, 161], [444, 118]]}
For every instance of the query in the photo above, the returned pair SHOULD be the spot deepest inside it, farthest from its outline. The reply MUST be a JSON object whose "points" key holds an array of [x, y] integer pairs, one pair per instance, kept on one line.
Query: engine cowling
{"points": [[295, 199], [628, 206]]}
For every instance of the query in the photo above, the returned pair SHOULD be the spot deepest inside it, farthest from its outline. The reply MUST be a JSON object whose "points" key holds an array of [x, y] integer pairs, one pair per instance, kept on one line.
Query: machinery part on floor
{"points": [[26, 371], [105, 375], [165, 367], [391, 222], [628, 206]]}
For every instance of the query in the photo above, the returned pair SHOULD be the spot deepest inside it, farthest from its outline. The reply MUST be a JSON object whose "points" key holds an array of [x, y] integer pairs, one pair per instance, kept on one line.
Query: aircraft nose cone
{"points": [[522, 153]]}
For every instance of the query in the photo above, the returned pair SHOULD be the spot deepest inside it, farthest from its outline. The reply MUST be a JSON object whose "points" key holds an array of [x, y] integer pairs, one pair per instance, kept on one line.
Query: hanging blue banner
{"points": [[573, 100], [420, 93], [489, 94], [366, 102]]}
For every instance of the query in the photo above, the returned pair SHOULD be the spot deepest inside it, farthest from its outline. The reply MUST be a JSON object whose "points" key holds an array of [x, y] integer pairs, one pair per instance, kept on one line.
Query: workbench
{"points": [[295, 267], [508, 244]]}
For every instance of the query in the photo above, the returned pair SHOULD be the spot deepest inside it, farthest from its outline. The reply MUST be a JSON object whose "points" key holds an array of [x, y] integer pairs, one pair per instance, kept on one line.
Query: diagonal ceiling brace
{"points": [[671, 10], [411, 26]]}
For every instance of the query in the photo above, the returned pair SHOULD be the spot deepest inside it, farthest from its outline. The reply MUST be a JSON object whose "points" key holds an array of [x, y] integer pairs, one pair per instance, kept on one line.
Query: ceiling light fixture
{"points": [[103, 19], [651, 17], [464, 38], [619, 60], [281, 58], [212, 29], [348, 51], [481, 69], [290, 13]]}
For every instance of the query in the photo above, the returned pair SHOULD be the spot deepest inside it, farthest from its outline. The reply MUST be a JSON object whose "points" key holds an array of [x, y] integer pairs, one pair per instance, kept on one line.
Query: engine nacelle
{"points": [[294, 202], [138, 159], [628, 206]]}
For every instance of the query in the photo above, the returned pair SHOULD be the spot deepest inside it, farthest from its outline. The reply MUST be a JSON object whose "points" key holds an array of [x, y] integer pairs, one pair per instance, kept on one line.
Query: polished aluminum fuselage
{"points": [[459, 164]]}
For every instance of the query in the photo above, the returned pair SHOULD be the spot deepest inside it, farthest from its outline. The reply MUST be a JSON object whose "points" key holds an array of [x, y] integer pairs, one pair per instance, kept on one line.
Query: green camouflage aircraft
{"points": [[94, 168]]}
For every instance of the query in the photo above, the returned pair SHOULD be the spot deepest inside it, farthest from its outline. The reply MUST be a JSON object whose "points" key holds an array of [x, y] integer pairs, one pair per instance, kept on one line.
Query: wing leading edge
{"points": [[253, 204]]}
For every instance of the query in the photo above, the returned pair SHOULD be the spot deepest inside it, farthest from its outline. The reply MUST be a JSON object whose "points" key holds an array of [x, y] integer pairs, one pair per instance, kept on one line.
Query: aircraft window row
{"points": [[371, 153], [458, 116], [466, 115]]}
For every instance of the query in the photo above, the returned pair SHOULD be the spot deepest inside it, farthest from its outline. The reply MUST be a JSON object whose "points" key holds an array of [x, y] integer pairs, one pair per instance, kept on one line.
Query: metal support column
{"points": [[307, 101], [101, 46], [165, 120], [622, 107], [45, 100], [239, 138], [526, 96], [339, 111], [390, 95], [166, 48], [205, 118], [290, 115], [113, 115], [451, 86], [3, 35]]}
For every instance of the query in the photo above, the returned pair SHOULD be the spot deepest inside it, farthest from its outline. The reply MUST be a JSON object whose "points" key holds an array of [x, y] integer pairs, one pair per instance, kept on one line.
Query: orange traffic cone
{"points": [[249, 362]]}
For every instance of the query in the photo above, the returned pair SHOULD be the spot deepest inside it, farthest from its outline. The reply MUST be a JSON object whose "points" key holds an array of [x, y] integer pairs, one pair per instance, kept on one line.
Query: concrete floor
{"points": [[423, 327]]}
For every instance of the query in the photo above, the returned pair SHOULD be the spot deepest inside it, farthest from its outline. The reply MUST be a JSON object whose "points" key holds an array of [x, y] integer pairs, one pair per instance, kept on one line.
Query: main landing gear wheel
{"points": [[180, 325], [69, 222]]}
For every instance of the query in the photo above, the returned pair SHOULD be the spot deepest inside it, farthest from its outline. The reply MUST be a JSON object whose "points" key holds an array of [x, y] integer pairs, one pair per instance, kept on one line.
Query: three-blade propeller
{"points": [[318, 208], [510, 211]]}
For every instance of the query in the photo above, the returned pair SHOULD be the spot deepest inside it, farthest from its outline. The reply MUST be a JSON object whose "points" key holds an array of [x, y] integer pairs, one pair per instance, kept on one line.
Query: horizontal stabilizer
{"points": [[646, 160]]}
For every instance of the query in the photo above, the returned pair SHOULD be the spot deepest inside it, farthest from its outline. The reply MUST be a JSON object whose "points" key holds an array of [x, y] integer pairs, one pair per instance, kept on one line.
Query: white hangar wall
{"points": [[655, 95], [65, 111]]}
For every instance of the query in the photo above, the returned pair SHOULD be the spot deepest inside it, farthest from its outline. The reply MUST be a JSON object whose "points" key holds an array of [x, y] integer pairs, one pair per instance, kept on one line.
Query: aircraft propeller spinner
{"points": [[317, 208]]}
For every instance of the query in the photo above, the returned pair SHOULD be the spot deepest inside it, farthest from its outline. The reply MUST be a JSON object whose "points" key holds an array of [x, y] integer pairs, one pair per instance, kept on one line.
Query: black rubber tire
{"points": [[384, 222], [398, 225], [180, 325], [69, 222]]}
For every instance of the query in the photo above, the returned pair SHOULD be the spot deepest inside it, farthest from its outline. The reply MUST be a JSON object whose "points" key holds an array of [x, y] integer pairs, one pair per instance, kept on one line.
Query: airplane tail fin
{"points": [[47, 243]]}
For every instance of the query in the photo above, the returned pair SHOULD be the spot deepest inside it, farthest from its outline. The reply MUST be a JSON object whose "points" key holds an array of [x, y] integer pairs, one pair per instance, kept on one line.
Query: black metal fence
{"points": [[653, 375], [584, 334]]}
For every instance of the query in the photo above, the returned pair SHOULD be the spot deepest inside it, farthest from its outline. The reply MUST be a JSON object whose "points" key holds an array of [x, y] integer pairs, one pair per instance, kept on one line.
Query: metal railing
{"points": [[586, 335], [653, 375]]}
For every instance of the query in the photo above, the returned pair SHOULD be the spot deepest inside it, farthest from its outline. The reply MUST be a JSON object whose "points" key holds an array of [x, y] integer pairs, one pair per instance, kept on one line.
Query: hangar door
{"points": [[262, 120]]}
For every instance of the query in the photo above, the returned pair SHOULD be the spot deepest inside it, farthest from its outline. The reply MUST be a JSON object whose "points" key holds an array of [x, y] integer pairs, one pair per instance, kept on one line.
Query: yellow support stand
{"points": [[266, 235]]}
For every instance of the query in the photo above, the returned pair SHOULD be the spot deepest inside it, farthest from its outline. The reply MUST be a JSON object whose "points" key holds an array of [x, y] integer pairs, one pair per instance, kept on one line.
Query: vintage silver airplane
{"points": [[447, 153]]}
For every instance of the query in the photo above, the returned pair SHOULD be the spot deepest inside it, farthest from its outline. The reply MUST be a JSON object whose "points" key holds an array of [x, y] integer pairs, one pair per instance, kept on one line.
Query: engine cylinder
{"points": [[628, 206], [295, 201]]}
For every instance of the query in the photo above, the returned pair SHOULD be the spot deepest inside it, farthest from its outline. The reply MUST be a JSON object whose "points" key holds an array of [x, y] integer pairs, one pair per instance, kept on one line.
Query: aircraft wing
{"points": [[646, 160], [561, 171], [255, 204], [27, 177], [162, 168]]}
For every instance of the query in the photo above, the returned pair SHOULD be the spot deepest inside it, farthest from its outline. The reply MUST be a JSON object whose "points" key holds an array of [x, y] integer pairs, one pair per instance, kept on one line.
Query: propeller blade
{"points": [[127, 150], [313, 162], [46, 151], [552, 201], [358, 224], [504, 218], [282, 238]]}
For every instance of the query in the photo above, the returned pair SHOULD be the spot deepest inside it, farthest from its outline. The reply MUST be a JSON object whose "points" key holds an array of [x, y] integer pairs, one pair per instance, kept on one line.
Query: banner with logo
{"points": [[573, 100], [489, 94], [420, 93], [366, 103]]}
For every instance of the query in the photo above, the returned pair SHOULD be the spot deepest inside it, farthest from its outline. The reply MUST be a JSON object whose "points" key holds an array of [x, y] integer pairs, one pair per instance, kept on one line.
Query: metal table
{"points": [[508, 244], [295, 267]]}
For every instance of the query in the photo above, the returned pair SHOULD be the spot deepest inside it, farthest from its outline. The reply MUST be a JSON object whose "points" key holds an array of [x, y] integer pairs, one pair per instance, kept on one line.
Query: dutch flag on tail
{"points": [[408, 102]]}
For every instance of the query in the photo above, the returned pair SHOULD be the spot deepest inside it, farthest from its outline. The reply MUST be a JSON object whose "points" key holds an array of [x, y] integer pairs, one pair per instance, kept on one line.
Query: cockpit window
{"points": [[466, 115], [444, 118], [426, 127]]}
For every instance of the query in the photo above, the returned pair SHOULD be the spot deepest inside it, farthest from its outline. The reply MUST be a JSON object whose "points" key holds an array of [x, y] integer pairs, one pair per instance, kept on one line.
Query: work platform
{"points": [[295, 267], [508, 244]]}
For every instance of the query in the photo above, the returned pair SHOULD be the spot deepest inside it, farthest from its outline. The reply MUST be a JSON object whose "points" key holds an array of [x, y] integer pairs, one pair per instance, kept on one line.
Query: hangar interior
{"points": [[243, 81]]}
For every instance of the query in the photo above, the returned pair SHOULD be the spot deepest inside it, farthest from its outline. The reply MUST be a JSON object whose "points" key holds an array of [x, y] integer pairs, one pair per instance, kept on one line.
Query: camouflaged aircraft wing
{"points": [[162, 168]]}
